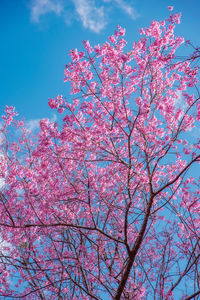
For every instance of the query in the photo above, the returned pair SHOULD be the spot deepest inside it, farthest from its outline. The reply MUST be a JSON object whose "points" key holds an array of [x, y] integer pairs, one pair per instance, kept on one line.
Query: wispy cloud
{"points": [[91, 16], [94, 15], [5, 247], [180, 101], [128, 9], [2, 163], [42, 7], [2, 183], [34, 124]]}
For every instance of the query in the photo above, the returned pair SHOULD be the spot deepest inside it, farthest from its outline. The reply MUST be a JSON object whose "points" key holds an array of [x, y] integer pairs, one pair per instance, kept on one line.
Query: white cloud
{"points": [[2, 164], [4, 246], [91, 16], [180, 101], [2, 161], [42, 7], [34, 124], [2, 183], [128, 9]]}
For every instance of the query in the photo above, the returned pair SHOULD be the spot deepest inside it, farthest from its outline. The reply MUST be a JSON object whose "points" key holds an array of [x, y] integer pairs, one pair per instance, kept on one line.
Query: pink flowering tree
{"points": [[105, 204]]}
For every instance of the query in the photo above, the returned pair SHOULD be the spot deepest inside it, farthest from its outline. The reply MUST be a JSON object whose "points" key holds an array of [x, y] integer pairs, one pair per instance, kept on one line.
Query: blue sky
{"points": [[37, 35]]}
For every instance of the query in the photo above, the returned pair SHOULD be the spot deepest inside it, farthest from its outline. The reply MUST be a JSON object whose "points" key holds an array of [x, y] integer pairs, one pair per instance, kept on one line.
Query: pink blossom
{"points": [[170, 8], [96, 202]]}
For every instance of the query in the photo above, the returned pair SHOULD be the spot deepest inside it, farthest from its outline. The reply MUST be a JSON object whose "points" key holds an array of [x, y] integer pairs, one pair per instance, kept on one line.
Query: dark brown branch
{"points": [[193, 295]]}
